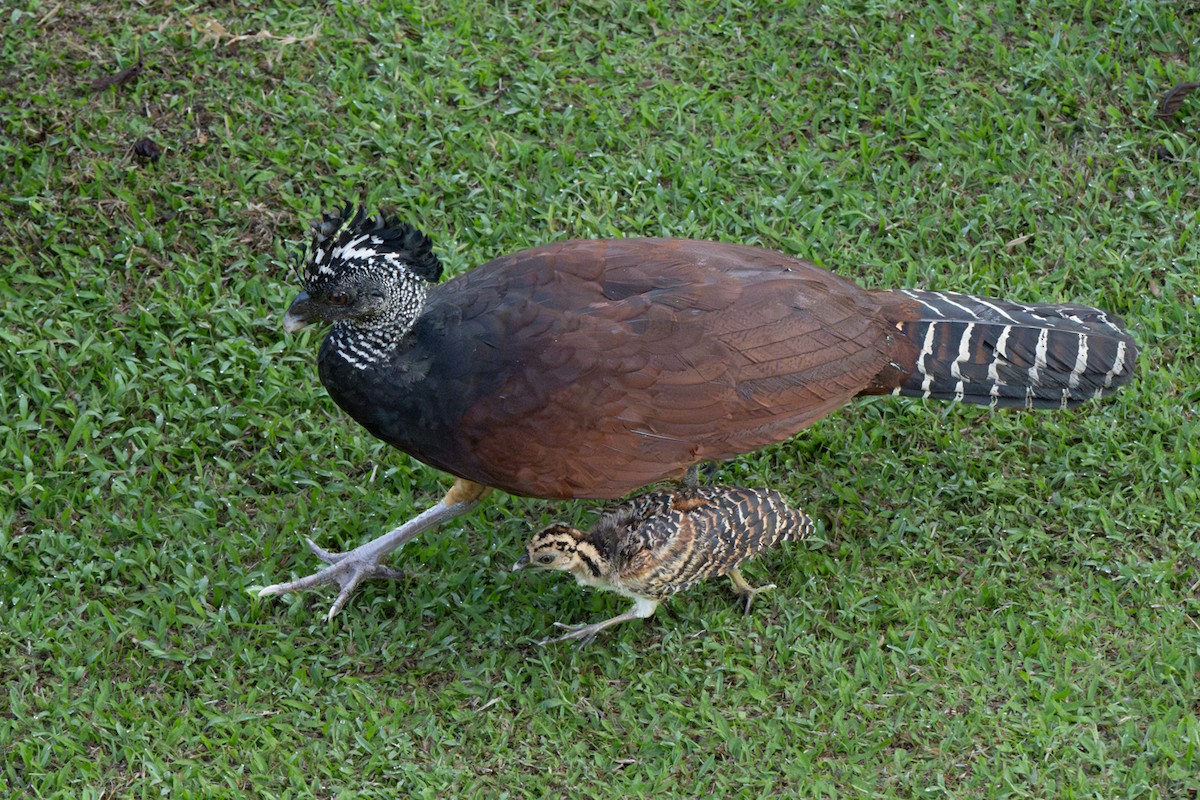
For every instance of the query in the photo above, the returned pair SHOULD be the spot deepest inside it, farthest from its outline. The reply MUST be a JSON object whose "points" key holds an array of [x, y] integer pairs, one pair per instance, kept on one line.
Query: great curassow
{"points": [[660, 543], [590, 369]]}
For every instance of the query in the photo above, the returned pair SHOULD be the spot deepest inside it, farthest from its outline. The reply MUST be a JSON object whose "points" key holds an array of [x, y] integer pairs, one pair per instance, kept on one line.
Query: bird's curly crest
{"points": [[349, 239]]}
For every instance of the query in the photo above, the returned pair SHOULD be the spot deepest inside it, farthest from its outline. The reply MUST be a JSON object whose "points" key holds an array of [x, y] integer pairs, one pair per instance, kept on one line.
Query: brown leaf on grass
{"points": [[147, 149], [121, 78], [1173, 99]]}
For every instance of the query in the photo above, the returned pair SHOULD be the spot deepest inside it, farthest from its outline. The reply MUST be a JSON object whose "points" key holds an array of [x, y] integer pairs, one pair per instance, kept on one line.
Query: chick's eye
{"points": [[545, 558]]}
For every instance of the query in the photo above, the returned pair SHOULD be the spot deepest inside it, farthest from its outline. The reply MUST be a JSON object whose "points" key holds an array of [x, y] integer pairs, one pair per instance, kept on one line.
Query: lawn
{"points": [[997, 604]]}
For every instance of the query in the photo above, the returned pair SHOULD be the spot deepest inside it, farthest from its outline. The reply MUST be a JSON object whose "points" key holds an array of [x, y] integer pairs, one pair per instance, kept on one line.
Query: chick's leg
{"points": [[643, 607], [744, 589]]}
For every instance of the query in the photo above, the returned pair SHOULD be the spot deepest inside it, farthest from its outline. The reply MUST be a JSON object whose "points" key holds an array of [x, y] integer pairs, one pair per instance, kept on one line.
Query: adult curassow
{"points": [[589, 369]]}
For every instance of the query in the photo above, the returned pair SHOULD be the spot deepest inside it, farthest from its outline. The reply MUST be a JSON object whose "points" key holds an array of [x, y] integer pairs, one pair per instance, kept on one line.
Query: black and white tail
{"points": [[1000, 353]]}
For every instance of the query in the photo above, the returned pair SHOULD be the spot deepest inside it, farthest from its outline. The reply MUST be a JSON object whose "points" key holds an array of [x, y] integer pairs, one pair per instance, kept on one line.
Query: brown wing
{"points": [[631, 359]]}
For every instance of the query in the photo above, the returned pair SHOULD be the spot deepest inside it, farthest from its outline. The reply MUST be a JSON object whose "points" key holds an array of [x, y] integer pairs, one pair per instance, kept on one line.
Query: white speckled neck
{"points": [[363, 343]]}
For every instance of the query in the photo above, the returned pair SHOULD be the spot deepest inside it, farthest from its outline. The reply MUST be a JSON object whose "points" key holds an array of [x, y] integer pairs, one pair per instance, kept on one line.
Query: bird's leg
{"points": [[642, 607], [744, 589], [351, 568], [690, 478]]}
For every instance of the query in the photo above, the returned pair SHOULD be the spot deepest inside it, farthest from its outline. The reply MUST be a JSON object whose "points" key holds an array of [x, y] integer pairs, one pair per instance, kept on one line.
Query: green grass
{"points": [[998, 605]]}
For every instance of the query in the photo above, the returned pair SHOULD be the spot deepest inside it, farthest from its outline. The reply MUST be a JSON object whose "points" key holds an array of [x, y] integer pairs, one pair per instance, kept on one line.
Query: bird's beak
{"points": [[522, 563], [298, 314]]}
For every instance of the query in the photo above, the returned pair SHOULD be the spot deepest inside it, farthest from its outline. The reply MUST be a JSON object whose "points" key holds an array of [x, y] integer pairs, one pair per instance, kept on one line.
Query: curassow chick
{"points": [[661, 543]]}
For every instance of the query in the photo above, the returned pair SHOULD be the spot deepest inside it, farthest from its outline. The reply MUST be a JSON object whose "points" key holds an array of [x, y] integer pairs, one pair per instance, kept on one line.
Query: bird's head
{"points": [[368, 272], [560, 547]]}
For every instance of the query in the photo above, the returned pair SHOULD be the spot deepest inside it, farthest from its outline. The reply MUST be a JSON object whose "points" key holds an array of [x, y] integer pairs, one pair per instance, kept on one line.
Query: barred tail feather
{"points": [[1000, 353]]}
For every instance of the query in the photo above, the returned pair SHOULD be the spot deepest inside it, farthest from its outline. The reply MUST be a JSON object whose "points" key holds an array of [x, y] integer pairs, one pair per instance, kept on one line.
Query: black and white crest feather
{"points": [[346, 239]]}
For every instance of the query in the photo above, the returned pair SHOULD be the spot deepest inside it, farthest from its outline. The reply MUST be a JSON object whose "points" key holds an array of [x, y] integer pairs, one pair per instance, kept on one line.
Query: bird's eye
{"points": [[339, 299], [545, 558]]}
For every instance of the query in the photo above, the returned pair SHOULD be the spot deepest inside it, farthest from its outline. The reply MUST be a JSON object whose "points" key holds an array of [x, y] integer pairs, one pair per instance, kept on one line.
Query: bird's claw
{"points": [[748, 596], [375, 570], [584, 633], [350, 569], [345, 569]]}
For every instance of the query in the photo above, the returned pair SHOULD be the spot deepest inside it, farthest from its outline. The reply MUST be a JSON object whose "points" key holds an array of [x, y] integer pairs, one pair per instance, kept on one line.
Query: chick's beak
{"points": [[298, 314], [522, 563]]}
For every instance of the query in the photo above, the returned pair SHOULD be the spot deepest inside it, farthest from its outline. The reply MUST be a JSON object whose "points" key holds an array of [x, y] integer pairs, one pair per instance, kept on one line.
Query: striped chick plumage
{"points": [[661, 543]]}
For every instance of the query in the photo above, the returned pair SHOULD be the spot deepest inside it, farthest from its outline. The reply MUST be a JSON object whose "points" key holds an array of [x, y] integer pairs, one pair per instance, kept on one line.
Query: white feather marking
{"points": [[964, 352], [1081, 357], [983, 301], [1000, 357], [352, 249], [926, 350], [917, 297], [1104, 320], [1118, 366], [947, 297], [367, 356], [1039, 355]]}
